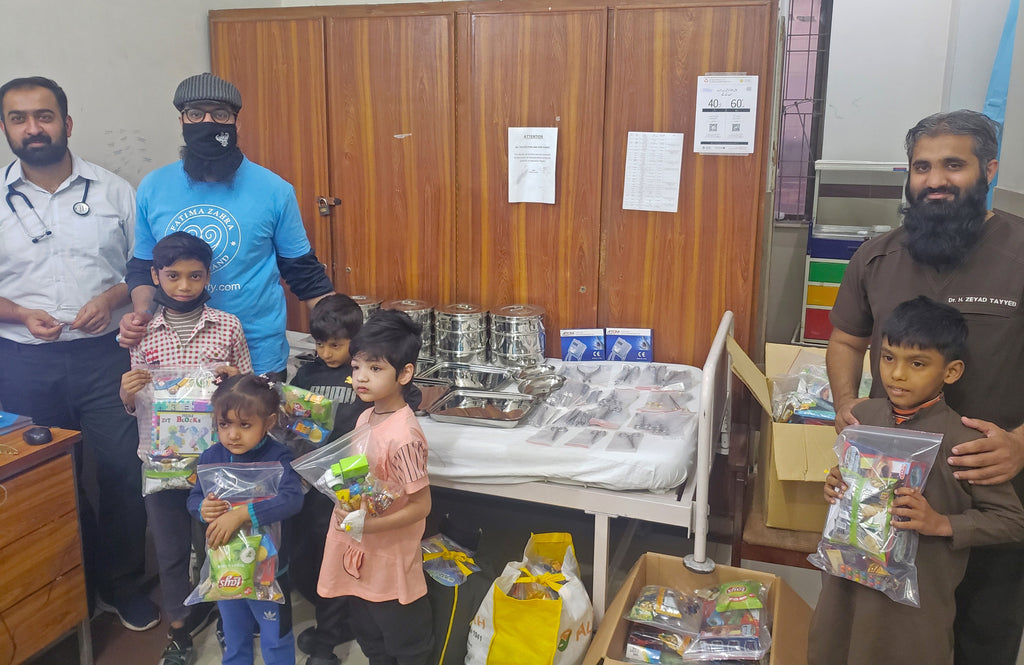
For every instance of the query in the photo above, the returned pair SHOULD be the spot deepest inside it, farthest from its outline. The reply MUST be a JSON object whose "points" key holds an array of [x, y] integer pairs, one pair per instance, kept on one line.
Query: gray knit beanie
{"points": [[207, 88]]}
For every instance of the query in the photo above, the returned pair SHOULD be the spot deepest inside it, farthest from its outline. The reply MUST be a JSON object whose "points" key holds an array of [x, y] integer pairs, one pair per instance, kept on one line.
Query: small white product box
{"points": [[632, 344], [583, 344]]}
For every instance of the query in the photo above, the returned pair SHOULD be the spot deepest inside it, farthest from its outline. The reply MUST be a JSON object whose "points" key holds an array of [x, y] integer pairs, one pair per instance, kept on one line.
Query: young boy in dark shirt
{"points": [[333, 323], [923, 344]]}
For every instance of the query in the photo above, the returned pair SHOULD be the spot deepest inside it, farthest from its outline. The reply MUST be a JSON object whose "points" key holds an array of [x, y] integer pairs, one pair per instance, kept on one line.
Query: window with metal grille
{"points": [[804, 69]]}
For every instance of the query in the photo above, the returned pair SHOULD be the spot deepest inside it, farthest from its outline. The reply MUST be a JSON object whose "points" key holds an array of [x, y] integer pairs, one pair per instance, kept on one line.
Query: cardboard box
{"points": [[790, 614], [794, 459], [583, 344], [629, 344]]}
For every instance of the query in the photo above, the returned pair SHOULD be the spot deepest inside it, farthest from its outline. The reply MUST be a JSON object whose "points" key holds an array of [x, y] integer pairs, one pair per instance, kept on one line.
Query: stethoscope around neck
{"points": [[81, 208]]}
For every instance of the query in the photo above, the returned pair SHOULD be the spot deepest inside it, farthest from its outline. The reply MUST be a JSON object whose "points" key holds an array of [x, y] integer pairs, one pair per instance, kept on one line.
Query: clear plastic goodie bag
{"points": [[246, 566], [859, 541], [175, 417]]}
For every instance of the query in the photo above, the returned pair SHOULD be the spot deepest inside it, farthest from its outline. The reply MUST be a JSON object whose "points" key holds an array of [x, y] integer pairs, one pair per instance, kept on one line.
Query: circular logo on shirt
{"points": [[216, 226]]}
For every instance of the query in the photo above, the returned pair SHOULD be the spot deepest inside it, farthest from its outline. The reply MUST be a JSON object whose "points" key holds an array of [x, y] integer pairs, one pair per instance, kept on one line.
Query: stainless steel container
{"points": [[460, 333], [517, 335], [478, 357], [369, 304], [422, 312]]}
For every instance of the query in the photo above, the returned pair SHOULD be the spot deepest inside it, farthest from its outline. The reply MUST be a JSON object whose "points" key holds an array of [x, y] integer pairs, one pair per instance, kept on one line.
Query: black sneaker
{"points": [[178, 652], [136, 612], [319, 653], [306, 641]]}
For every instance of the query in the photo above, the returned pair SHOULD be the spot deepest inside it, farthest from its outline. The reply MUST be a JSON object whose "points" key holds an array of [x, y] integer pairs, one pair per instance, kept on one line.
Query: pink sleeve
{"points": [[409, 465]]}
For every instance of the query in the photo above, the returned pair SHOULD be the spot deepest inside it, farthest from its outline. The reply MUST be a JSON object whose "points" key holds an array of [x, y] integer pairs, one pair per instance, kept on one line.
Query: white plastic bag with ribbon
{"points": [[537, 612]]}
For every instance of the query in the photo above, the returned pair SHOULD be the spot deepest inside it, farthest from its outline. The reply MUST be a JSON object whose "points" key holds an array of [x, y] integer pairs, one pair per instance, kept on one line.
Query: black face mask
{"points": [[211, 151], [162, 298]]}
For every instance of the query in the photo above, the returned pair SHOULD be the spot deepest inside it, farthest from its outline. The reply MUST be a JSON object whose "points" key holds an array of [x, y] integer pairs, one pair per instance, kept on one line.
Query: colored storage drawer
{"points": [[822, 295], [832, 248], [826, 271], [816, 324]]}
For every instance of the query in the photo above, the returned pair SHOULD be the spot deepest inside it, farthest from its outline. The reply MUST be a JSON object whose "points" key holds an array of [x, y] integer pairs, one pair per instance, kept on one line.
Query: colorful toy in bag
{"points": [[355, 487], [342, 470], [665, 622], [649, 645], [246, 566], [666, 609], [175, 417], [803, 397], [553, 626], [309, 415], [446, 562], [734, 623], [859, 541]]}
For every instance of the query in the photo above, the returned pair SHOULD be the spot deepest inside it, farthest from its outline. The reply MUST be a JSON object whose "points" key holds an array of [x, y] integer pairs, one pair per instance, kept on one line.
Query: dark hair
{"points": [[925, 324], [180, 245], [248, 394], [978, 126], [335, 317], [391, 335], [37, 82]]}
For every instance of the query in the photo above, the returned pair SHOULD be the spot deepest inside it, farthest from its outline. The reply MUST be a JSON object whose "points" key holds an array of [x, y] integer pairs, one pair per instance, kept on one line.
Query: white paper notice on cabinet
{"points": [[531, 164], [654, 161], [726, 115]]}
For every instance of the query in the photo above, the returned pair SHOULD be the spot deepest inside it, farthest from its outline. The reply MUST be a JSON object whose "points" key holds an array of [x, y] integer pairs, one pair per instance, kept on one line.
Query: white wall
{"points": [[887, 63], [893, 63], [978, 25], [119, 62]]}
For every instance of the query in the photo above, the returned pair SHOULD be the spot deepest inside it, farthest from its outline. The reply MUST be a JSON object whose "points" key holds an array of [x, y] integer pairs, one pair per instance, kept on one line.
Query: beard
{"points": [[41, 150], [941, 234], [205, 169]]}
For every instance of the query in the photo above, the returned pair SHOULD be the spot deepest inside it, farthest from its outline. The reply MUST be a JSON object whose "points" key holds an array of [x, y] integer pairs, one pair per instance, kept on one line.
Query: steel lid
{"points": [[364, 300], [518, 311], [462, 309], [408, 305]]}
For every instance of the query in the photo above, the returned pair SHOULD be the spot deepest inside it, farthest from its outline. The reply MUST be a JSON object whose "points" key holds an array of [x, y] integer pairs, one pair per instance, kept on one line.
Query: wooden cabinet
{"points": [[533, 69], [677, 273], [42, 581], [391, 144], [406, 114]]}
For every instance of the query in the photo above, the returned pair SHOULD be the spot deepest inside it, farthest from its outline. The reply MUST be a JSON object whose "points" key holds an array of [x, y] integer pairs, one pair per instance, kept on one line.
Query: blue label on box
{"points": [[629, 344], [583, 344]]}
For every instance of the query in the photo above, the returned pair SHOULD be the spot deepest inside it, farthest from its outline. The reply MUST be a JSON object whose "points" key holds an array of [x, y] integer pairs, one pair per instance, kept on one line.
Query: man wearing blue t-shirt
{"points": [[247, 213]]}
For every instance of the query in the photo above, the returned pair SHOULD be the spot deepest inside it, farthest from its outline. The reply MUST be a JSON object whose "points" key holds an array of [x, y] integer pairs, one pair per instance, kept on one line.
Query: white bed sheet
{"points": [[473, 454]]}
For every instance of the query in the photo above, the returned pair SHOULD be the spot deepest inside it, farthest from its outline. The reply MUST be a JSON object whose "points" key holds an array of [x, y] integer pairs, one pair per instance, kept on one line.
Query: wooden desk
{"points": [[42, 580]]}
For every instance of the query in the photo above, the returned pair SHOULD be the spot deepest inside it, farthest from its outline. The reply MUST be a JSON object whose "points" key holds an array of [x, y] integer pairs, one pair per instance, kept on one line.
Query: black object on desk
{"points": [[37, 436]]}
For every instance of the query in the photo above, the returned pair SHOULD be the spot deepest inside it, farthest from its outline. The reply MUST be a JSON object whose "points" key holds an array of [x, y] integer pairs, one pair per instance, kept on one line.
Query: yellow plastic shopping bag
{"points": [[537, 612]]}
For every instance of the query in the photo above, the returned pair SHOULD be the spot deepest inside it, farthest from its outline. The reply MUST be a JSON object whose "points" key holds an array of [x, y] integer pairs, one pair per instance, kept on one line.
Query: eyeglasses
{"points": [[220, 115]]}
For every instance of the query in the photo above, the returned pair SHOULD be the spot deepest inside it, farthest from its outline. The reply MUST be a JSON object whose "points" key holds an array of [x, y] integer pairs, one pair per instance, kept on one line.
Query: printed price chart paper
{"points": [[726, 115]]}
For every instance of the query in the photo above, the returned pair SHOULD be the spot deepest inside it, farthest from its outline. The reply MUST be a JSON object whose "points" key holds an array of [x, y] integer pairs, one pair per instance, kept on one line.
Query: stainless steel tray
{"points": [[473, 377], [482, 408], [432, 390]]}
